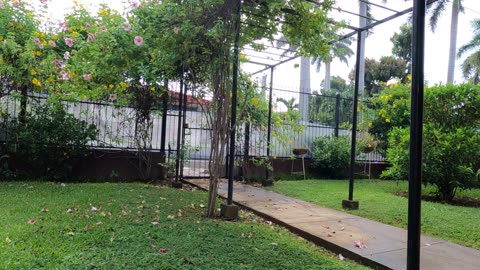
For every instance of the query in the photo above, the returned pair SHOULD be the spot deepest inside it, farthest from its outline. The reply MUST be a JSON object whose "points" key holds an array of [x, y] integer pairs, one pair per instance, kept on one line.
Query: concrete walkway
{"points": [[383, 246]]}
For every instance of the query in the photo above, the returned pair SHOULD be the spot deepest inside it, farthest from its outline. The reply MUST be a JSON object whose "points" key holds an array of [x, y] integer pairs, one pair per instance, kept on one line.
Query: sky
{"points": [[377, 44]]}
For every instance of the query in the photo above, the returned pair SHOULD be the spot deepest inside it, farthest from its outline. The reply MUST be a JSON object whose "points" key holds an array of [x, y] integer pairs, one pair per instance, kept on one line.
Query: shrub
{"points": [[331, 155], [49, 139], [450, 158]]}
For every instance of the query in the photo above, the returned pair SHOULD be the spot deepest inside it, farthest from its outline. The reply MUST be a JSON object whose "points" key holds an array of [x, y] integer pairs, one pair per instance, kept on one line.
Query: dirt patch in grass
{"points": [[458, 201]]}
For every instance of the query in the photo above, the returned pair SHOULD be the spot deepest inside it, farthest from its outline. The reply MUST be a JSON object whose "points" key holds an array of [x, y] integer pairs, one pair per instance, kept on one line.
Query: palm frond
{"points": [[437, 11]]}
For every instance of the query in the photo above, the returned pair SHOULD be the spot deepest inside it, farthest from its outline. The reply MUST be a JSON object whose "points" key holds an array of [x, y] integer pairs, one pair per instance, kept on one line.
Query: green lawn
{"points": [[453, 223], [137, 226]]}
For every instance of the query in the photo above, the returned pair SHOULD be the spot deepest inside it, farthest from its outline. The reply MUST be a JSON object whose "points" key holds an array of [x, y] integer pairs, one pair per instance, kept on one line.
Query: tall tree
{"points": [[437, 10], [378, 73], [402, 44], [471, 65], [305, 87], [341, 50]]}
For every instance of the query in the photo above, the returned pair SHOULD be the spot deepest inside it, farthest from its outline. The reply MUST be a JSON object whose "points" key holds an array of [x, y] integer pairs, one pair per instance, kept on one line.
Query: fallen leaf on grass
{"points": [[274, 244], [94, 209], [7, 240], [359, 244], [99, 223], [71, 233], [340, 256], [202, 206], [85, 228], [44, 210], [162, 251], [31, 222], [155, 223], [69, 210], [170, 216]]}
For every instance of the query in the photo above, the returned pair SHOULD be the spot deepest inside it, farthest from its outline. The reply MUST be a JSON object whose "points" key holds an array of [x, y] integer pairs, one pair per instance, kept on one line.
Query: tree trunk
{"points": [[453, 41], [327, 76], [304, 87], [362, 23]]}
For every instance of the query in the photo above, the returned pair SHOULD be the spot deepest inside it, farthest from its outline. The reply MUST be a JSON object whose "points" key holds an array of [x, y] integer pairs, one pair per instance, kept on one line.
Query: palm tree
{"points": [[341, 50], [471, 65], [437, 10], [304, 77]]}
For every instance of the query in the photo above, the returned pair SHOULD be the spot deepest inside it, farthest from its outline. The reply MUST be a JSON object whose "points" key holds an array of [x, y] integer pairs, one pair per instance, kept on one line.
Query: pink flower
{"points": [[16, 2], [87, 24], [138, 40], [66, 55], [135, 5], [52, 43], [90, 37], [64, 75], [112, 97], [37, 41], [2, 5], [127, 27], [43, 1], [87, 77], [40, 45], [63, 25], [104, 28], [69, 42], [58, 63]]}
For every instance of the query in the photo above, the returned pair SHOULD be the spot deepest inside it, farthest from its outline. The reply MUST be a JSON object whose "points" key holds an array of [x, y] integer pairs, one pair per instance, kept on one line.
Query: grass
{"points": [[139, 226], [453, 223]]}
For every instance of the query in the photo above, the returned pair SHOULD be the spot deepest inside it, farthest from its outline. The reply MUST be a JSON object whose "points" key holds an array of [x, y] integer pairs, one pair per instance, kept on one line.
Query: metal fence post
{"points": [[337, 113]]}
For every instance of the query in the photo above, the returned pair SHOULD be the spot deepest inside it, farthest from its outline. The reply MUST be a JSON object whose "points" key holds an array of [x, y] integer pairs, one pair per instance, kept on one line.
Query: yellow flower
{"points": [[36, 82], [103, 12], [1, 38], [33, 72], [123, 84], [36, 34], [44, 42], [42, 35], [255, 101], [358, 109], [55, 36], [110, 86], [50, 79], [387, 120], [409, 77], [369, 125], [38, 53], [75, 34]]}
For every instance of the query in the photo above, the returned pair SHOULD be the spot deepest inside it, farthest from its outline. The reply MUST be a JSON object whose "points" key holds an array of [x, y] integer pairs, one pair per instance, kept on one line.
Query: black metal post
{"points": [[337, 113], [268, 178], [163, 134], [179, 132], [246, 150], [233, 119], [415, 174], [350, 203], [184, 125]]}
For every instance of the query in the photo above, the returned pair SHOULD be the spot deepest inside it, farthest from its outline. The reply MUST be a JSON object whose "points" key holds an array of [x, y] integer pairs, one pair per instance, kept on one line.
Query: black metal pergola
{"points": [[268, 60]]}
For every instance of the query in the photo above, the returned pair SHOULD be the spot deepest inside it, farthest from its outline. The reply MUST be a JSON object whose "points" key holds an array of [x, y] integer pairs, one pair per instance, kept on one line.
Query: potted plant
{"points": [[300, 151], [366, 142]]}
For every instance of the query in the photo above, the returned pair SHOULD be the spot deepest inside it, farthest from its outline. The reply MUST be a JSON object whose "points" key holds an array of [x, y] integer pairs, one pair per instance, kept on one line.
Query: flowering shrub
{"points": [[451, 145]]}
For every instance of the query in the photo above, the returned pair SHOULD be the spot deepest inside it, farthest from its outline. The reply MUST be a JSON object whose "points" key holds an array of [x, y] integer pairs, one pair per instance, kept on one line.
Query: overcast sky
{"points": [[378, 44]]}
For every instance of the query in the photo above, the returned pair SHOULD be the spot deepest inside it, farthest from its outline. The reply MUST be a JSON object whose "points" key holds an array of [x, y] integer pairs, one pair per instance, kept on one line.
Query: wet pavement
{"points": [[369, 242]]}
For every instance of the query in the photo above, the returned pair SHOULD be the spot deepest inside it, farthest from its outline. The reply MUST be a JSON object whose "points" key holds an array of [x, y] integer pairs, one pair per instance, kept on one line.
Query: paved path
{"points": [[385, 245]]}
